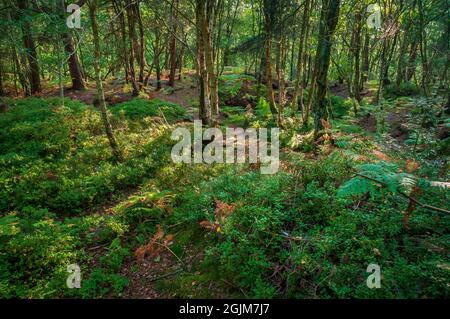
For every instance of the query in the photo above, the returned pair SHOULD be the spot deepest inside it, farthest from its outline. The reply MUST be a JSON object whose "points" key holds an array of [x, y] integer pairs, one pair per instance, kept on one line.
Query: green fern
{"points": [[372, 177], [356, 187]]}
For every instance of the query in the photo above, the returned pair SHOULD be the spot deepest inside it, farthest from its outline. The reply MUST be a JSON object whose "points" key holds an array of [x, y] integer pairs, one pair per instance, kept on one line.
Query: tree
{"points": [[208, 79], [269, 10], [2, 90], [93, 5], [133, 46], [173, 44], [30, 46], [328, 22], [298, 89]]}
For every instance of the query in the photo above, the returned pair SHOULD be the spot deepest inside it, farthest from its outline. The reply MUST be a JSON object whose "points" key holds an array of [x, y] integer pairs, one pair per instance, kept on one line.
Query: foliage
{"points": [[372, 176], [404, 89], [262, 109], [34, 257], [341, 107], [139, 108]]}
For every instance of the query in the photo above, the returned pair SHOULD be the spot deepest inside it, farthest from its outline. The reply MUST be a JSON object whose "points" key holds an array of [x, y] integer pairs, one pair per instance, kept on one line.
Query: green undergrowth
{"points": [[309, 231], [139, 109]]}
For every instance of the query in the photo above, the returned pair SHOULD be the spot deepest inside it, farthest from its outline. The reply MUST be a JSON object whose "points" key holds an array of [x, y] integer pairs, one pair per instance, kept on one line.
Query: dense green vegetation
{"points": [[86, 174], [308, 231]]}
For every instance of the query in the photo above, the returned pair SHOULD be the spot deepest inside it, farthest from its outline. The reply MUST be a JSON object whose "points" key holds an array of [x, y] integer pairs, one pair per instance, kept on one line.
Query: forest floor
{"points": [[152, 234], [145, 275]]}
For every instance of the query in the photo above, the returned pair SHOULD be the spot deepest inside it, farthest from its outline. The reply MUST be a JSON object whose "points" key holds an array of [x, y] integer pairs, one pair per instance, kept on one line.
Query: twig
{"points": [[97, 247], [166, 275], [170, 250], [164, 117]]}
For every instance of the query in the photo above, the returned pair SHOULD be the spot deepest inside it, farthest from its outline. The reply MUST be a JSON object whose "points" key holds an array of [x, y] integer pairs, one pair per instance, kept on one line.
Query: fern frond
{"points": [[356, 187]]}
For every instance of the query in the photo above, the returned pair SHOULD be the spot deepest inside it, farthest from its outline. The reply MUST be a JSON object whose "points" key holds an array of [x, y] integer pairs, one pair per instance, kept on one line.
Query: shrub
{"points": [[405, 89], [138, 109], [262, 109], [341, 107], [34, 258]]}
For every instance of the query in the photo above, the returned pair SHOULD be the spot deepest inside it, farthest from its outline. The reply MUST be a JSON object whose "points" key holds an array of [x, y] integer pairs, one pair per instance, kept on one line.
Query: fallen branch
{"points": [[165, 276], [97, 247]]}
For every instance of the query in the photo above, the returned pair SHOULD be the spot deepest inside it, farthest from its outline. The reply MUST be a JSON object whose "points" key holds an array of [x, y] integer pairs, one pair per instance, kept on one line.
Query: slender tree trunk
{"points": [[2, 90], [329, 19], [156, 58], [180, 64], [447, 106], [35, 81], [268, 58], [229, 32], [212, 83], [383, 70], [301, 57], [142, 60], [357, 57], [365, 60], [20, 64], [411, 69], [133, 46], [173, 44], [202, 73], [423, 50], [98, 78], [75, 69], [269, 77], [123, 37], [158, 72], [280, 66], [401, 62]]}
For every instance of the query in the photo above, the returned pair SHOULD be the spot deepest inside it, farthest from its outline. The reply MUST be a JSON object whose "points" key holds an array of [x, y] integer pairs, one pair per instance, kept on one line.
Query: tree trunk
{"points": [[447, 106], [2, 90], [202, 73], [212, 79], [423, 50], [98, 79], [301, 58], [281, 64], [19, 62], [365, 60], [76, 73], [411, 69], [329, 19], [383, 70], [180, 64], [173, 45], [123, 37], [357, 57], [142, 61], [401, 62], [158, 72], [35, 82], [133, 46], [268, 58], [156, 58]]}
